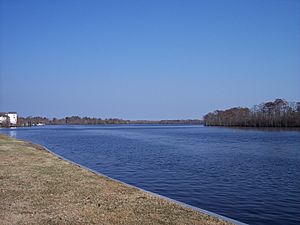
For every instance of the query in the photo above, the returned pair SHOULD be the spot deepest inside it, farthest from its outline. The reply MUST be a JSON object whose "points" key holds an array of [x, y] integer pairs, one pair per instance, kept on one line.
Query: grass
{"points": [[37, 187]]}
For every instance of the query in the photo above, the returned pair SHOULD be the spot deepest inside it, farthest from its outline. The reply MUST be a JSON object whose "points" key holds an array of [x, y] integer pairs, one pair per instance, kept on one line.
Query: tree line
{"points": [[278, 113], [77, 120]]}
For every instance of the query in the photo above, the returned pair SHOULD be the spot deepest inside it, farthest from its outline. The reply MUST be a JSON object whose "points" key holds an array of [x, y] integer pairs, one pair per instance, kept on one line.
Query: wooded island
{"points": [[279, 113]]}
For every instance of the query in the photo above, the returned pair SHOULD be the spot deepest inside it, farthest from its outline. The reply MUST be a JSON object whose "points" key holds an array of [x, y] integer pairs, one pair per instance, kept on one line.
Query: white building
{"points": [[3, 118], [13, 117], [10, 117]]}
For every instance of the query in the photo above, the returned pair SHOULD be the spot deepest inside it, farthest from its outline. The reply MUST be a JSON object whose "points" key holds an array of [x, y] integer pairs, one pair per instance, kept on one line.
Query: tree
{"points": [[279, 113]]}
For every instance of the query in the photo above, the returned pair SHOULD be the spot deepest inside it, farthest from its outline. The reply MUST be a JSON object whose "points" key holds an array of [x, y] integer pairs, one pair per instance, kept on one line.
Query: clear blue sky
{"points": [[146, 59]]}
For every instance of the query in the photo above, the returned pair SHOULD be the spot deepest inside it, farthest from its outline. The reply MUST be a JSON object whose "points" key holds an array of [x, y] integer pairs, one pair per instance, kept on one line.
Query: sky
{"points": [[140, 59]]}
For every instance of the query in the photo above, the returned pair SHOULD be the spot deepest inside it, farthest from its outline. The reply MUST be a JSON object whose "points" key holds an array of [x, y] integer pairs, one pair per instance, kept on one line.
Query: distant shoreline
{"points": [[278, 113], [76, 120]]}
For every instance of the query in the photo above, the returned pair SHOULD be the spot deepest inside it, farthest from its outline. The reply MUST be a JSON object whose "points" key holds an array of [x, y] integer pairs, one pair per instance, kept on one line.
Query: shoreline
{"points": [[107, 124], [151, 193], [206, 213]]}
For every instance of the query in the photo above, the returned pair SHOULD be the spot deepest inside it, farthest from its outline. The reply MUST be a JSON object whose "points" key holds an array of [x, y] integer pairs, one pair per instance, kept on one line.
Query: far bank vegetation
{"points": [[77, 120], [278, 113]]}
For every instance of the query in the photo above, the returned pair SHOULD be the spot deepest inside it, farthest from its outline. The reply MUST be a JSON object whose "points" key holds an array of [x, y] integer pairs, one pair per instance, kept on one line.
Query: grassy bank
{"points": [[36, 187]]}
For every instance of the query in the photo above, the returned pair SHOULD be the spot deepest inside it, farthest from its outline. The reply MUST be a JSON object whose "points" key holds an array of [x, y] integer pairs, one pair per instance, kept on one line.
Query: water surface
{"points": [[248, 175]]}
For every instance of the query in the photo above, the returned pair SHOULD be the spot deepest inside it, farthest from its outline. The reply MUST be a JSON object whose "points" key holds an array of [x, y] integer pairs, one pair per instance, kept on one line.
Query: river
{"points": [[245, 174]]}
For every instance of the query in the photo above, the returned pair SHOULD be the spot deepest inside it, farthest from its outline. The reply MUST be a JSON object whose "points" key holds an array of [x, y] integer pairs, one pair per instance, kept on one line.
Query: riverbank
{"points": [[39, 188]]}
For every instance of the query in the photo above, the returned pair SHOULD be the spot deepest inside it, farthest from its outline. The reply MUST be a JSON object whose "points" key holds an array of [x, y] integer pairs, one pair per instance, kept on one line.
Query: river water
{"points": [[249, 175]]}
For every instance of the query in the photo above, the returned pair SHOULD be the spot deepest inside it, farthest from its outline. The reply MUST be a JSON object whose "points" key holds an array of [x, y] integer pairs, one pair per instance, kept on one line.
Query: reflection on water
{"points": [[13, 132], [247, 174]]}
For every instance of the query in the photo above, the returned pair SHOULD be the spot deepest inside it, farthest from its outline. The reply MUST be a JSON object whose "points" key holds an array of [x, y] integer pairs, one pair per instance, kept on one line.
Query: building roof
{"points": [[5, 113]]}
